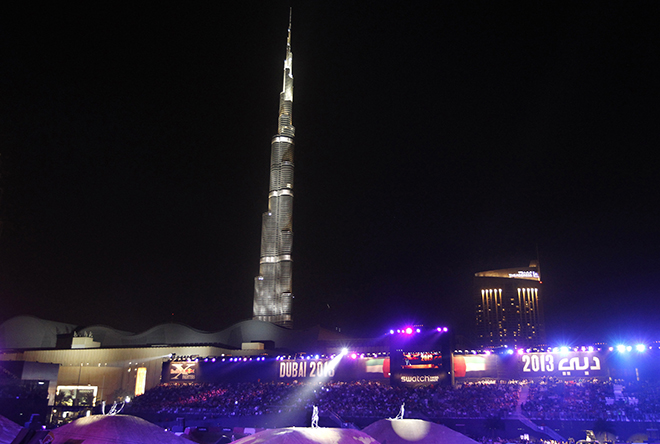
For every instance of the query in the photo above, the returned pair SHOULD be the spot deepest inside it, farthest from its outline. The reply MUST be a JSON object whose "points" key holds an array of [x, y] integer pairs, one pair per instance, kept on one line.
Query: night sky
{"points": [[433, 141]]}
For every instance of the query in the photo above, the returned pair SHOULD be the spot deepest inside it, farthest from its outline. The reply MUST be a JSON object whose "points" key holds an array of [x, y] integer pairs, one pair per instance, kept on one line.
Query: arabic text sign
{"points": [[561, 364]]}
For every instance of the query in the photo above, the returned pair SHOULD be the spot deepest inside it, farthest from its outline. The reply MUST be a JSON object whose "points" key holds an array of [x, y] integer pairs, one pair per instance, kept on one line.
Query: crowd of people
{"points": [[553, 399], [545, 400], [346, 399], [242, 399], [639, 402], [379, 400]]}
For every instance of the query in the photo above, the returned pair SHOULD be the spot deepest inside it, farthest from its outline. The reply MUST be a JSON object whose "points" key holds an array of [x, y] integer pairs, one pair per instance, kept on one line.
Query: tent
{"points": [[308, 435], [417, 431], [9, 430], [109, 429]]}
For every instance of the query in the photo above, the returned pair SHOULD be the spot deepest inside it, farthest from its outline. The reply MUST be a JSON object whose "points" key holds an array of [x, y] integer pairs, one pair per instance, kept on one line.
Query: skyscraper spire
{"points": [[288, 37], [272, 287], [287, 88]]}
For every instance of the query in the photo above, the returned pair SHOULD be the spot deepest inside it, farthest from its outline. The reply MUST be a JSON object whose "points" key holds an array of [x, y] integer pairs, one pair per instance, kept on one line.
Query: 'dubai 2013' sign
{"points": [[561, 364], [306, 368]]}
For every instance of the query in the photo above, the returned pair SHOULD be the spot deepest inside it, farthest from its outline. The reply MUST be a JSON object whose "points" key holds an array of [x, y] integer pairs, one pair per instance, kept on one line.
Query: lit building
{"points": [[509, 308], [108, 364], [272, 287]]}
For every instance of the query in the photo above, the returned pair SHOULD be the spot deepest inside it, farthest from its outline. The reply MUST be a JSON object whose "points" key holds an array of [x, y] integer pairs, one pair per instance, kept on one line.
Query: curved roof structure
{"points": [[25, 332], [32, 332], [308, 435], [109, 429], [405, 431]]}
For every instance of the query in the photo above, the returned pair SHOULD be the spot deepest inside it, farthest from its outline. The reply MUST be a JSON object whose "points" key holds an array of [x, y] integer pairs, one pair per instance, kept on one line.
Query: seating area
{"points": [[546, 400], [591, 400], [347, 399]]}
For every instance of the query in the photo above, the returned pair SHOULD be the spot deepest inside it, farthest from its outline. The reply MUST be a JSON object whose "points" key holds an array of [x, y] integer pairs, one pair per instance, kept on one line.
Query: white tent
{"points": [[308, 435], [417, 431], [110, 429], [9, 430]]}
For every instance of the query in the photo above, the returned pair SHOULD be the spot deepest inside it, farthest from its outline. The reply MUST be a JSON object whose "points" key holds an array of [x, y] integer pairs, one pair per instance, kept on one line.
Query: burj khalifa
{"points": [[272, 287]]}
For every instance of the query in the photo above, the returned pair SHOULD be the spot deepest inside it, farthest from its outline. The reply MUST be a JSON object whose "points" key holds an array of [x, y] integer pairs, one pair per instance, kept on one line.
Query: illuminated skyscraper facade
{"points": [[272, 287], [509, 309]]}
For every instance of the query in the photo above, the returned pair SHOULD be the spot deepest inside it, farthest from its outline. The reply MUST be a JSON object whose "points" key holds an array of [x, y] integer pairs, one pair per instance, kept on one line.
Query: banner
{"points": [[233, 370], [570, 364], [563, 365], [183, 372]]}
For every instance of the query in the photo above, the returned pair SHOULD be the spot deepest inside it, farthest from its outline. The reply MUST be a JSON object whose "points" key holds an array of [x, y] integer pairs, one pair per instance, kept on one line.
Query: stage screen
{"points": [[419, 357]]}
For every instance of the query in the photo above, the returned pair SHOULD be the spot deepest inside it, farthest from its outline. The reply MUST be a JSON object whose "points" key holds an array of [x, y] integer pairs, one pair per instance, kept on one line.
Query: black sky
{"points": [[433, 140]]}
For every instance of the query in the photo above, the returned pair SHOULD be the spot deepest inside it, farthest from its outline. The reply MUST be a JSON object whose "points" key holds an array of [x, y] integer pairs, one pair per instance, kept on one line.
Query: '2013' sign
{"points": [[306, 369], [545, 362]]}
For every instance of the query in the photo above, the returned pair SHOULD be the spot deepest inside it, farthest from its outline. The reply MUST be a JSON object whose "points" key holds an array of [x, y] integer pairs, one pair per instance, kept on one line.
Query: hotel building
{"points": [[509, 307]]}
